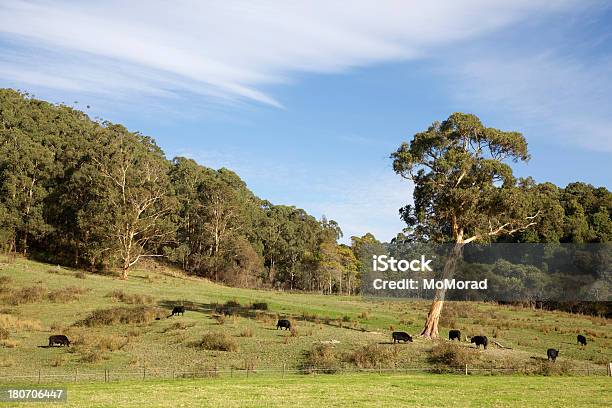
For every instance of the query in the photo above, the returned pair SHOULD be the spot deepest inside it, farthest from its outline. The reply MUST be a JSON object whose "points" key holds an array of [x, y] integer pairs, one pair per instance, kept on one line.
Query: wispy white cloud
{"points": [[230, 50], [562, 97]]}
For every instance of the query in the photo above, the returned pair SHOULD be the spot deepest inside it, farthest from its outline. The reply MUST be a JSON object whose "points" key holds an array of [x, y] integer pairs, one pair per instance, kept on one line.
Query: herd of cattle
{"points": [[483, 341], [397, 336]]}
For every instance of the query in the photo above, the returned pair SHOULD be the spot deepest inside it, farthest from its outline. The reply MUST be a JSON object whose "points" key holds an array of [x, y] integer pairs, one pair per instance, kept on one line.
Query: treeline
{"points": [[93, 195]]}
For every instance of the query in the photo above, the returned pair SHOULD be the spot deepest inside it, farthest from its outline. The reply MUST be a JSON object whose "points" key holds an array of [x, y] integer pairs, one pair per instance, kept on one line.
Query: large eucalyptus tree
{"points": [[464, 189]]}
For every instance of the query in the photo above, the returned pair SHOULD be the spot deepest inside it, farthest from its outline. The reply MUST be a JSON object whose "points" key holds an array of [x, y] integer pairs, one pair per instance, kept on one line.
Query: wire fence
{"points": [[107, 375]]}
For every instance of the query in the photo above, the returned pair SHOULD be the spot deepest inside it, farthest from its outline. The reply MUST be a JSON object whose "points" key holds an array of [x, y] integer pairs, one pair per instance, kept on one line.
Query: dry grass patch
{"points": [[11, 322], [246, 332], [130, 298], [9, 343], [216, 341]]}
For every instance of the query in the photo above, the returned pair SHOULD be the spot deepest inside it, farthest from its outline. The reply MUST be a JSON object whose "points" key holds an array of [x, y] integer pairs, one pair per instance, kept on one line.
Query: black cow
{"points": [[454, 334], [552, 354], [283, 324], [480, 340], [176, 310], [401, 336], [581, 340], [59, 339]]}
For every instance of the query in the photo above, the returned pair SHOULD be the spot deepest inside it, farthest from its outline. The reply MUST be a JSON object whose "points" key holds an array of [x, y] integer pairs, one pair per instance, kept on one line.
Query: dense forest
{"points": [[91, 194]]}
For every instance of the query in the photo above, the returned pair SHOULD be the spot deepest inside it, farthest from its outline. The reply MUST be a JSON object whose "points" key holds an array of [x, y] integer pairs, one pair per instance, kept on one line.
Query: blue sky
{"points": [[306, 100]]}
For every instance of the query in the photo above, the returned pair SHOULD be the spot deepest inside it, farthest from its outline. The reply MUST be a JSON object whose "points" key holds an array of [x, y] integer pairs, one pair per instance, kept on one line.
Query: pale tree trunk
{"points": [[433, 317]]}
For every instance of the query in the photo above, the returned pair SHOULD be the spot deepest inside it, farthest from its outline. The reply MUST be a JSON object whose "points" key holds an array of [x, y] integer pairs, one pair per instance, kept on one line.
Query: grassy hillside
{"points": [[344, 390], [37, 300]]}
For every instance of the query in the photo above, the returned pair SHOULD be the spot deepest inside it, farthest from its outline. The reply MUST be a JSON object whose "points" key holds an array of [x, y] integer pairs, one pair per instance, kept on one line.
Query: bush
{"points": [[80, 275], [232, 304], [131, 299], [259, 306], [220, 318], [29, 294], [93, 356], [452, 355], [321, 358], [121, 315], [372, 356], [5, 280], [217, 342], [556, 368], [65, 295], [4, 333]]}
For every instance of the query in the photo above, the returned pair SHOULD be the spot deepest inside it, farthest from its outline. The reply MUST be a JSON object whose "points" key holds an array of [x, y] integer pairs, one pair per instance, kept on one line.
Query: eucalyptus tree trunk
{"points": [[433, 317]]}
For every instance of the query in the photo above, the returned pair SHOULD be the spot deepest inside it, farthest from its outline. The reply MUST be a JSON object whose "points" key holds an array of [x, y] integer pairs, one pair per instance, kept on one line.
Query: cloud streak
{"points": [[228, 50]]}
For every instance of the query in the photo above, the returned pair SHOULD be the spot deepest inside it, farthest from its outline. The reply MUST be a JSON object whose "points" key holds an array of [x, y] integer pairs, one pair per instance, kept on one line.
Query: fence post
{"points": [[610, 369], [39, 375], [588, 369], [76, 374], [144, 372], [466, 370], [283, 370], [231, 372]]}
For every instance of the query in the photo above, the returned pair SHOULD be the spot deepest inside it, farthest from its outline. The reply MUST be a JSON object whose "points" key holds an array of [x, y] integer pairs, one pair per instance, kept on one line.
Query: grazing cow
{"points": [[283, 324], [480, 340], [581, 340], [552, 354], [176, 310], [59, 339], [454, 334], [401, 336]]}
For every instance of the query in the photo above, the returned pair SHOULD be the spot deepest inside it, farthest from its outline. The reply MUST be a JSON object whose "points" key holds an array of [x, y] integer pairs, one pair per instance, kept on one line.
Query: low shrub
{"points": [[321, 358], [66, 295], [4, 333], [556, 368], [372, 356], [93, 356], [80, 275], [5, 280], [259, 306], [220, 318], [121, 315], [28, 294], [452, 355], [217, 342]]}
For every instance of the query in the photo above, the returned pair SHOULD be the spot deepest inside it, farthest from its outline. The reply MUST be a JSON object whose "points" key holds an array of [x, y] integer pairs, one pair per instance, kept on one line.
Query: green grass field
{"points": [[348, 390], [347, 322]]}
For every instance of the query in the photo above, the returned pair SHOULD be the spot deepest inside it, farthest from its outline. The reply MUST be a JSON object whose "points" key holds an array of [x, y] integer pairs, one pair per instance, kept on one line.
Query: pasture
{"points": [[112, 325], [359, 390]]}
